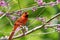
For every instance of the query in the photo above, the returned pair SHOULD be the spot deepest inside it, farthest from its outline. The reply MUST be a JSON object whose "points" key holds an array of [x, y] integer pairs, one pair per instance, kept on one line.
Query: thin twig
{"points": [[9, 21]]}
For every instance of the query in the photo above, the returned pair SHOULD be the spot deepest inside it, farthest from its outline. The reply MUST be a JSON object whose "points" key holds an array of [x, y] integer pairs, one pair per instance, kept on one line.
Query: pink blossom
{"points": [[3, 3], [58, 1], [13, 18], [58, 27], [38, 18], [42, 19], [40, 2], [7, 14], [52, 3], [1, 13]]}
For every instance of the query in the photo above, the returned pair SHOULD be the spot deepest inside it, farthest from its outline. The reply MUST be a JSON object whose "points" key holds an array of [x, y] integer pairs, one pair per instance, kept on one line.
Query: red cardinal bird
{"points": [[19, 23]]}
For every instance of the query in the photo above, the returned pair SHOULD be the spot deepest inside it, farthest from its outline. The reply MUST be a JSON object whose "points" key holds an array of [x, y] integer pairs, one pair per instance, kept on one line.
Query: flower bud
{"points": [[34, 8], [19, 12]]}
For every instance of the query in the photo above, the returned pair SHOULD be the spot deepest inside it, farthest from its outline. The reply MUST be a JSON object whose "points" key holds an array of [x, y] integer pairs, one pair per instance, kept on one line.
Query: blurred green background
{"points": [[47, 12]]}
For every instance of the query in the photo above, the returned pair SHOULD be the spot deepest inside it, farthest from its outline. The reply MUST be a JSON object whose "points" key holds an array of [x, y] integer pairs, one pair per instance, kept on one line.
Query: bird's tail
{"points": [[10, 38], [12, 34]]}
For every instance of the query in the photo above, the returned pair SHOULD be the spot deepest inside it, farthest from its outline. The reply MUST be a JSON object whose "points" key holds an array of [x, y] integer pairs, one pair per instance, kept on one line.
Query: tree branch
{"points": [[2, 16], [49, 26], [36, 28]]}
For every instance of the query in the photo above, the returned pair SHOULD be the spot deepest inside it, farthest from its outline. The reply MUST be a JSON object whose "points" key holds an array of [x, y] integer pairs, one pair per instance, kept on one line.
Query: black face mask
{"points": [[26, 16]]}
